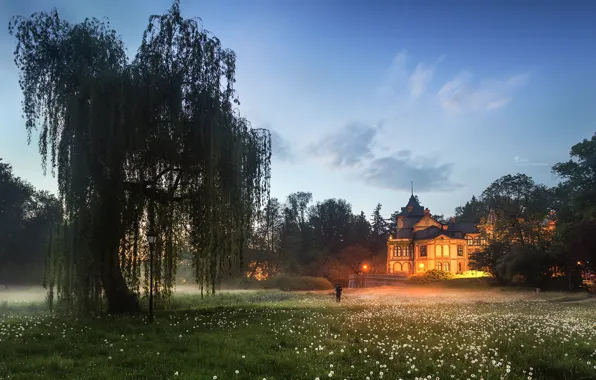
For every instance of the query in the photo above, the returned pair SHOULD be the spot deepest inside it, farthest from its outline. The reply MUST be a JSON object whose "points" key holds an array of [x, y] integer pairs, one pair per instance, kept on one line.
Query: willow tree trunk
{"points": [[107, 238]]}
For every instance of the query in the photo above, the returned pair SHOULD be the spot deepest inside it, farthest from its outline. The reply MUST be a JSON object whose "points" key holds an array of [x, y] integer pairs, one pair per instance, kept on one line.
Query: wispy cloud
{"points": [[421, 77], [348, 146], [461, 94], [396, 73], [396, 171]]}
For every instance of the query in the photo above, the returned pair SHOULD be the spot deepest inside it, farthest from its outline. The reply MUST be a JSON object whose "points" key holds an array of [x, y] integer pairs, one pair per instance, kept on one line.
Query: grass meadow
{"points": [[387, 333]]}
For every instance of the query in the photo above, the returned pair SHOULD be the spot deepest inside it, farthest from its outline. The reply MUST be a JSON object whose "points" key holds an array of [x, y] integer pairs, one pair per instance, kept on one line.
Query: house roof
{"points": [[410, 217], [417, 209]]}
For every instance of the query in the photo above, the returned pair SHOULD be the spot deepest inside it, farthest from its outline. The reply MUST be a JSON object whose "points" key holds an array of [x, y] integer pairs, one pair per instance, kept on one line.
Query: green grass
{"points": [[278, 335]]}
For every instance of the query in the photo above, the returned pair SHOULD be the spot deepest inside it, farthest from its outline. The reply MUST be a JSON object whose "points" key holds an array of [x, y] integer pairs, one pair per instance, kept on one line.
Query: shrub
{"points": [[291, 282], [432, 275]]}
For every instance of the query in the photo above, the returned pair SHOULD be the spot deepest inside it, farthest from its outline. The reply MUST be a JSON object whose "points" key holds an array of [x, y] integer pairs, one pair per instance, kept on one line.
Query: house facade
{"points": [[422, 243]]}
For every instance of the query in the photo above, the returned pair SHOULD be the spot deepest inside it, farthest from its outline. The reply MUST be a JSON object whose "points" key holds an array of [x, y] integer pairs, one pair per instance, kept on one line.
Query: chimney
{"points": [[426, 212]]}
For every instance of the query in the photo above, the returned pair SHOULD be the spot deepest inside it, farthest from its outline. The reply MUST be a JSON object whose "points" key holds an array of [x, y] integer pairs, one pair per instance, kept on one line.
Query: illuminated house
{"points": [[421, 242]]}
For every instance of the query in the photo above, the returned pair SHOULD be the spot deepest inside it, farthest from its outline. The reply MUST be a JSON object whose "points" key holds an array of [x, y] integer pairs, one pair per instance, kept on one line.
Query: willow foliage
{"points": [[155, 143]]}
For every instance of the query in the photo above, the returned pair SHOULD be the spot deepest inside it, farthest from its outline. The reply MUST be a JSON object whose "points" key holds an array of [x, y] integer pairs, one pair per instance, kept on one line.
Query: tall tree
{"points": [[520, 206], [471, 212], [576, 207], [26, 219], [379, 231], [151, 144], [296, 232], [331, 221], [360, 233]]}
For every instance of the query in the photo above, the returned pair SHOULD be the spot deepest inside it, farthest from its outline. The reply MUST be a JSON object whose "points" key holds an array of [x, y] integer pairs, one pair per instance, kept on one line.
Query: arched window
{"points": [[446, 267], [396, 268], [439, 266], [395, 251], [477, 240], [438, 251], [469, 240]]}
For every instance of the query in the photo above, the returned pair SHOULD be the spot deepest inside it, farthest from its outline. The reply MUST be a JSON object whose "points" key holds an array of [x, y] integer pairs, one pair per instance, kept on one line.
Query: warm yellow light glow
{"points": [[421, 265], [579, 263], [364, 266]]}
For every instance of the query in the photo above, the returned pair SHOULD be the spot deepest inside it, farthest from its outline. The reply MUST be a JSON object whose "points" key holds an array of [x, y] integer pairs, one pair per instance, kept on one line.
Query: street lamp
{"points": [[151, 240]]}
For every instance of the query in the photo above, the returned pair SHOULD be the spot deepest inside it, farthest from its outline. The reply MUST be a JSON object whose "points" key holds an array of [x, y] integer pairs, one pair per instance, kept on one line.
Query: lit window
{"points": [[423, 251], [460, 250], [440, 266], [438, 251], [446, 267]]}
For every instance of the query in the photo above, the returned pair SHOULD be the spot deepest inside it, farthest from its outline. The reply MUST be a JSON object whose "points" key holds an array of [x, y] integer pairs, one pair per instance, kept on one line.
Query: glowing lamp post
{"points": [[151, 240]]}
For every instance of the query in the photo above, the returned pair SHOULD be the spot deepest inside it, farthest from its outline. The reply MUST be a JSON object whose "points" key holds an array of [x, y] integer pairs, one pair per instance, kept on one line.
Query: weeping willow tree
{"points": [[151, 144]]}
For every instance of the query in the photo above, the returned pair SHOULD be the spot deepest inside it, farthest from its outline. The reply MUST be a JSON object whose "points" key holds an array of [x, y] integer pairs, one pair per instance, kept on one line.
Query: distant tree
{"points": [[576, 208], [360, 232], [296, 235], [155, 143], [577, 191], [332, 222], [441, 218], [379, 231], [27, 217], [471, 212], [14, 198], [490, 259], [520, 206]]}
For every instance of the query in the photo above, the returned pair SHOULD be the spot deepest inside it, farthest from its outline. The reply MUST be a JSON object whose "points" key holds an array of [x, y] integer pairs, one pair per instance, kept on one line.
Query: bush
{"points": [[432, 275], [244, 283], [292, 283]]}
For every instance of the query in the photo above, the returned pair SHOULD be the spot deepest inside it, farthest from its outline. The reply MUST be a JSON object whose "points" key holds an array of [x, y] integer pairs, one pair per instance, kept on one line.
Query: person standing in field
{"points": [[338, 291]]}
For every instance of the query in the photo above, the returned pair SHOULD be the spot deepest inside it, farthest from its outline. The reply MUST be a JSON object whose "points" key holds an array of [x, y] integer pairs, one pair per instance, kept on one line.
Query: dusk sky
{"points": [[363, 97]]}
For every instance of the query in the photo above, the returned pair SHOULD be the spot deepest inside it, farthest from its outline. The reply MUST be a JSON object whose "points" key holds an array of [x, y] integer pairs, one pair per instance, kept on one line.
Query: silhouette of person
{"points": [[338, 291]]}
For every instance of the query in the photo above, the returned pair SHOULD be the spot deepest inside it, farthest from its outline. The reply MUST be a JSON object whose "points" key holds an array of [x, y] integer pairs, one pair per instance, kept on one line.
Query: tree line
{"points": [[27, 216], [328, 239]]}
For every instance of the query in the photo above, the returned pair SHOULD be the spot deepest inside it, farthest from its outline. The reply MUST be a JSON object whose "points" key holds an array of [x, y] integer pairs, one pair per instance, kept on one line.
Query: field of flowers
{"points": [[397, 334]]}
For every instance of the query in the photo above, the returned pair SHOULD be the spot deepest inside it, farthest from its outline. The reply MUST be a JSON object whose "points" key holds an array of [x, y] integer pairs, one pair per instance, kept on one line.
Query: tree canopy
{"points": [[155, 143]]}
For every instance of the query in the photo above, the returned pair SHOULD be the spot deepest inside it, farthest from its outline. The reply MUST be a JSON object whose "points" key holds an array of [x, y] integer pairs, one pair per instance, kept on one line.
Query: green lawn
{"points": [[397, 334]]}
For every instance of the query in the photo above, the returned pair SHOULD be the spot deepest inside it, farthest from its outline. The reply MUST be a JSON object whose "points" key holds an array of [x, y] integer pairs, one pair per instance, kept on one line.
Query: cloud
{"points": [[280, 147], [396, 73], [462, 95], [421, 77], [396, 171], [347, 147]]}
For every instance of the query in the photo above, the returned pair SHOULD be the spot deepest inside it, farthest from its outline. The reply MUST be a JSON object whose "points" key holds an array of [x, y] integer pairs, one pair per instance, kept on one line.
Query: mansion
{"points": [[422, 243]]}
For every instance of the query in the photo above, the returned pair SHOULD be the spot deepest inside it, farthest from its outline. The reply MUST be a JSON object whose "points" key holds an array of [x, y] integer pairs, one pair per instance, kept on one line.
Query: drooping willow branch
{"points": [[158, 135]]}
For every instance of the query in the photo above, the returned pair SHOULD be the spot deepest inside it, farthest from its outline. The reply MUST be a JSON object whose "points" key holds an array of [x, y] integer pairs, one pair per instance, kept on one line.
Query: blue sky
{"points": [[363, 97]]}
